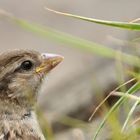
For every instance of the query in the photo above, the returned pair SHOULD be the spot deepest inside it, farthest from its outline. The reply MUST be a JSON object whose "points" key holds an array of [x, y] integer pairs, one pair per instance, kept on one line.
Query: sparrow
{"points": [[21, 76]]}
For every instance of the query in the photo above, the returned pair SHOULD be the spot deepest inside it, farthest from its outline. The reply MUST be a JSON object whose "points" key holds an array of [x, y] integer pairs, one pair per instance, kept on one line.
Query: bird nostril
{"points": [[52, 59], [49, 56]]}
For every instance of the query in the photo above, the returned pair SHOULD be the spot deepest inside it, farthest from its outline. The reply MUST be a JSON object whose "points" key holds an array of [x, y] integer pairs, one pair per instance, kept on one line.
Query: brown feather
{"points": [[17, 116]]}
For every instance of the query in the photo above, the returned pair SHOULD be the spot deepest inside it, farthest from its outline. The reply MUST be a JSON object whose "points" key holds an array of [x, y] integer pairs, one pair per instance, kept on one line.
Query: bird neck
{"points": [[13, 110]]}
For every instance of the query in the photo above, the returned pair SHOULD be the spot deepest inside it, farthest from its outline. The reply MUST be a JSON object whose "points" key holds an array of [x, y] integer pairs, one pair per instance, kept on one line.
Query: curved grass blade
{"points": [[129, 115], [129, 96], [76, 42], [111, 93], [124, 25], [82, 44], [72, 41], [133, 89]]}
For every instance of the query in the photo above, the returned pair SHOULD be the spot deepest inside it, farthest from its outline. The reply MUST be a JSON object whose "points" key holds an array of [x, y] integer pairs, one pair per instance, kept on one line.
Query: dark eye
{"points": [[27, 65]]}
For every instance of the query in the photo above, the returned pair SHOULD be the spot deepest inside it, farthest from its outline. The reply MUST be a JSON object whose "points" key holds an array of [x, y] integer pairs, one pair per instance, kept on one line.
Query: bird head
{"points": [[22, 72]]}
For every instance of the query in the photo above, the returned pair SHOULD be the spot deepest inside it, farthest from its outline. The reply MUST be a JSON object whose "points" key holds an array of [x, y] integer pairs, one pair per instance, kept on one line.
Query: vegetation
{"points": [[120, 132]]}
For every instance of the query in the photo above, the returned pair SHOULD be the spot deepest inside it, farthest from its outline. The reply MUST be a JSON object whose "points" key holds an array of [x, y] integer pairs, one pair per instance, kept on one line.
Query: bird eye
{"points": [[26, 65]]}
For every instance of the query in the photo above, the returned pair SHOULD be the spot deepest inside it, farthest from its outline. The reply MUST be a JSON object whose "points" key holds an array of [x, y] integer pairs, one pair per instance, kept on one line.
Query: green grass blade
{"points": [[75, 42], [129, 115], [133, 89], [124, 25], [45, 126], [67, 39], [70, 40]]}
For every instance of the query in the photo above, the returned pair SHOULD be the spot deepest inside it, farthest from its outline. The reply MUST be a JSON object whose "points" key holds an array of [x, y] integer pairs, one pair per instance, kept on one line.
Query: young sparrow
{"points": [[21, 75]]}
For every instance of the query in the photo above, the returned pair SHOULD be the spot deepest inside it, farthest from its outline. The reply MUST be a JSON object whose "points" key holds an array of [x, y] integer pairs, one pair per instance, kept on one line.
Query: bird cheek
{"points": [[34, 82], [15, 89]]}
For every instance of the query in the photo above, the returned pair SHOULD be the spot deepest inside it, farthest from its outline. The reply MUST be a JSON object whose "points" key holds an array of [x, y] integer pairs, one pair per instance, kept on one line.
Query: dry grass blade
{"points": [[131, 90], [133, 97], [135, 121], [135, 20], [111, 93]]}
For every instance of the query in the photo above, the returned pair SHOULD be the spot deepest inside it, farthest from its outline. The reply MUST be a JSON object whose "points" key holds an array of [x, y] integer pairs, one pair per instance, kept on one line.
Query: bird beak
{"points": [[49, 62]]}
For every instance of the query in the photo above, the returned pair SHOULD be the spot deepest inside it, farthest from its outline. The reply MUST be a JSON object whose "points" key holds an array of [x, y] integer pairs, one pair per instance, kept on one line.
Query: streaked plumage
{"points": [[21, 74]]}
